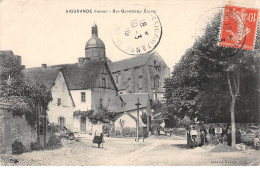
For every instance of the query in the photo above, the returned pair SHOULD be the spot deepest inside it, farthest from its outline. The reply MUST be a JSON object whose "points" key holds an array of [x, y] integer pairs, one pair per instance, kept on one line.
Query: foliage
{"points": [[24, 97], [54, 141], [144, 117], [102, 115], [78, 113], [198, 87], [18, 147], [36, 146]]}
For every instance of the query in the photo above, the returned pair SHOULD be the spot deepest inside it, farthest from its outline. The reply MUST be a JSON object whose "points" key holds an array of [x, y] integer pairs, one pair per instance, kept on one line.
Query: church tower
{"points": [[95, 48]]}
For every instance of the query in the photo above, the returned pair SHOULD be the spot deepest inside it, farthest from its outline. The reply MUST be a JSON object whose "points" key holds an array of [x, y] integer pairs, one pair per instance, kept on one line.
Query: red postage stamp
{"points": [[239, 27]]}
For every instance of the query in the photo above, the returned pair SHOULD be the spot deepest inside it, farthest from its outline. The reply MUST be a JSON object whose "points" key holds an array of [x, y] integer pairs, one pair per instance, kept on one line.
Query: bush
{"points": [[36, 146], [18, 147], [54, 141]]}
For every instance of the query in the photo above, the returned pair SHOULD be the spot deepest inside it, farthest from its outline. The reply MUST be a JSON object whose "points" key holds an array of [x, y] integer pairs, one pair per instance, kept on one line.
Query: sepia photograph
{"points": [[129, 83]]}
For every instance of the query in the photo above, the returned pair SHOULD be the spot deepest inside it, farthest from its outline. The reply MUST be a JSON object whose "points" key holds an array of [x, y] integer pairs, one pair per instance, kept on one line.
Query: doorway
{"points": [[83, 124]]}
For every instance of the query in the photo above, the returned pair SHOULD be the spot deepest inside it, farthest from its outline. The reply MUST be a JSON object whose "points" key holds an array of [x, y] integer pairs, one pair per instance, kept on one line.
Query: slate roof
{"points": [[84, 77], [46, 76], [131, 62], [130, 100]]}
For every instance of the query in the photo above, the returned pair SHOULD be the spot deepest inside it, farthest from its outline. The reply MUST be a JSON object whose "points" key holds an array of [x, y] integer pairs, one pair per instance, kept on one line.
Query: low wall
{"points": [[23, 132], [14, 128]]}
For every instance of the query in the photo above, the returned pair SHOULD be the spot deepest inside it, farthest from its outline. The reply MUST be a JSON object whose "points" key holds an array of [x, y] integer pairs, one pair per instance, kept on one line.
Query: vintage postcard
{"points": [[129, 83]]}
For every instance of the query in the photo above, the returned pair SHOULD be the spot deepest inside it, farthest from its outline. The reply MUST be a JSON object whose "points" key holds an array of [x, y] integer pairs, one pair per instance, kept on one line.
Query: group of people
{"points": [[217, 135]]}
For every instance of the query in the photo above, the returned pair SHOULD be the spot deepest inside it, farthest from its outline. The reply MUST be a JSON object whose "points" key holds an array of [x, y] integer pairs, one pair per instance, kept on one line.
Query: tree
{"points": [[206, 83], [25, 98]]}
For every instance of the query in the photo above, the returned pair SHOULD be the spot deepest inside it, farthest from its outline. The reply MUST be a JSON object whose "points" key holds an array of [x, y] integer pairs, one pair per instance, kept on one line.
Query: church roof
{"points": [[46, 75], [78, 78], [95, 42], [131, 62]]}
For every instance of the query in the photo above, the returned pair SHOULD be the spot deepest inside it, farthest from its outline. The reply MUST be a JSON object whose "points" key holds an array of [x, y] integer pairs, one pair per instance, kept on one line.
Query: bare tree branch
{"points": [[229, 85]]}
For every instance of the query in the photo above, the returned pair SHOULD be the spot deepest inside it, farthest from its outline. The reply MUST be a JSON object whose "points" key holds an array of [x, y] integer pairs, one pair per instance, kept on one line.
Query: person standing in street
{"points": [[203, 135], [238, 136], [212, 133], [218, 132], [229, 138], [194, 135]]}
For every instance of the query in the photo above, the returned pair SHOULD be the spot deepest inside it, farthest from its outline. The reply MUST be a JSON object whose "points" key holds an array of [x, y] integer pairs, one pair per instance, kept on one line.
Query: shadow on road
{"points": [[181, 146]]}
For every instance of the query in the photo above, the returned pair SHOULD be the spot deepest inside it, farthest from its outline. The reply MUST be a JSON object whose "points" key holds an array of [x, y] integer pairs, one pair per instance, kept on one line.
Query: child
{"points": [[194, 135]]}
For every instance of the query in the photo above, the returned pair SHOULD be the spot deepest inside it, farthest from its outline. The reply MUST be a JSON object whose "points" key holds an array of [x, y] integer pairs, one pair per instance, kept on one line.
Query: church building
{"points": [[95, 82]]}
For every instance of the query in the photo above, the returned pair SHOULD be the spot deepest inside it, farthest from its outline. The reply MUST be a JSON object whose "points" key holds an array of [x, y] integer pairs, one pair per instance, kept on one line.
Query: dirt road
{"points": [[156, 150]]}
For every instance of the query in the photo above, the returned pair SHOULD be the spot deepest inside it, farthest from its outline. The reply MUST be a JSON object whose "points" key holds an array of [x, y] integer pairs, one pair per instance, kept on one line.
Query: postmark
{"points": [[208, 34], [138, 31], [234, 31]]}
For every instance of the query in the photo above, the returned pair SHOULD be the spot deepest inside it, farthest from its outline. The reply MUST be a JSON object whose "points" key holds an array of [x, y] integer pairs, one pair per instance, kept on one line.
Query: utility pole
{"points": [[137, 123]]}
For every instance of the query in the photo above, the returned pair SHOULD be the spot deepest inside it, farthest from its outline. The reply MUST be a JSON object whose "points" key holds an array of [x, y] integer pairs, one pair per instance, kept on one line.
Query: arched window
{"points": [[116, 79], [156, 82], [140, 82]]}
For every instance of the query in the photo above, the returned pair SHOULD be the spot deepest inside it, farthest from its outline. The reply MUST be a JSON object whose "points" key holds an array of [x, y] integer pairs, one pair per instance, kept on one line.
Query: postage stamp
{"points": [[138, 32], [237, 34]]}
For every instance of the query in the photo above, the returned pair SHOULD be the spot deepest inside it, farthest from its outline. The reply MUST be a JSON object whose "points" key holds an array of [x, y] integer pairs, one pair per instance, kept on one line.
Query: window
{"points": [[83, 97], [156, 82], [154, 62], [103, 81], [140, 80], [59, 101], [101, 104], [155, 96]]}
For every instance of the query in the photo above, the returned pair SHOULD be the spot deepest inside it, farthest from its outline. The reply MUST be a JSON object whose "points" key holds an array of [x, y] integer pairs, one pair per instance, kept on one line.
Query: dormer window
{"points": [[116, 79]]}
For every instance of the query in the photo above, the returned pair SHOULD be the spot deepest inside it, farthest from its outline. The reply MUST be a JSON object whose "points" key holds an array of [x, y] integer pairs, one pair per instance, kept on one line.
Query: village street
{"points": [[156, 150]]}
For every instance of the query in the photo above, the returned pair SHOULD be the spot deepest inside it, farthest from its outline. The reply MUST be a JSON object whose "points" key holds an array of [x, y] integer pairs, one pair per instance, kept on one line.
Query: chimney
{"points": [[19, 59], [80, 61], [44, 65]]}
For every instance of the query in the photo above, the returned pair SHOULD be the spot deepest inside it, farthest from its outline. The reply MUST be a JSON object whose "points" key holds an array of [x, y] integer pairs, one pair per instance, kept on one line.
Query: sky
{"points": [[42, 32]]}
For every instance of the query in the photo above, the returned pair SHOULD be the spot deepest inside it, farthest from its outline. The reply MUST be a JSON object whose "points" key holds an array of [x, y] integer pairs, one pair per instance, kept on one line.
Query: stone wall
{"points": [[22, 131], [1, 131], [14, 128]]}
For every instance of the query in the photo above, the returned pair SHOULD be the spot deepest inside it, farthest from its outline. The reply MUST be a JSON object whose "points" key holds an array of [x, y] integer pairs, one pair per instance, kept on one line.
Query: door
{"points": [[62, 123], [83, 124]]}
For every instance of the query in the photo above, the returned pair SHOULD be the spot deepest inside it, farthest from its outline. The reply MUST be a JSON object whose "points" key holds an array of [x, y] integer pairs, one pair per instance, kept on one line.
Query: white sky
{"points": [[41, 32]]}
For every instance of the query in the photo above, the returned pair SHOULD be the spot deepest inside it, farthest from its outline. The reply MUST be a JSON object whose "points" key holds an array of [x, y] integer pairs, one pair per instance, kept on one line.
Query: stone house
{"points": [[91, 86], [60, 109]]}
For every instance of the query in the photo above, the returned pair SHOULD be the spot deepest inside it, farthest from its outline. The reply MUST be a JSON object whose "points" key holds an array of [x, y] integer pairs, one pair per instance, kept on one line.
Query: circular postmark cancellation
{"points": [[225, 28], [138, 31]]}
